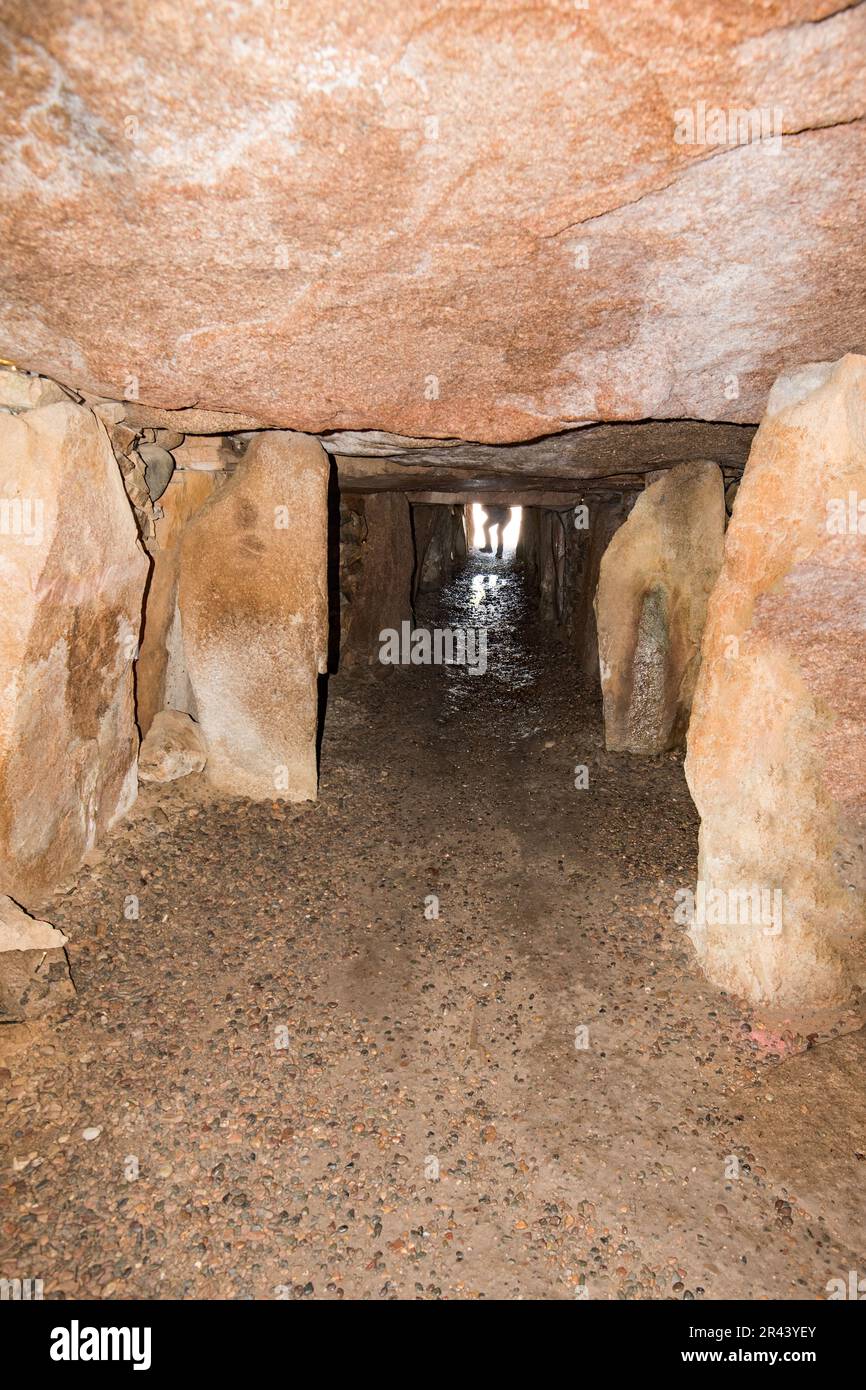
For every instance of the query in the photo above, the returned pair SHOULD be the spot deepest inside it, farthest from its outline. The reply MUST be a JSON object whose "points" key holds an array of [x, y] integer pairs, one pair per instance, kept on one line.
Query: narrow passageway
{"points": [[432, 1035], [432, 637]]}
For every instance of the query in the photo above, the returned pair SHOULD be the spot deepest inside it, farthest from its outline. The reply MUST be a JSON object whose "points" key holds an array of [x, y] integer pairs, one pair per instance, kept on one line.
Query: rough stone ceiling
{"points": [[305, 214], [595, 451], [597, 455]]}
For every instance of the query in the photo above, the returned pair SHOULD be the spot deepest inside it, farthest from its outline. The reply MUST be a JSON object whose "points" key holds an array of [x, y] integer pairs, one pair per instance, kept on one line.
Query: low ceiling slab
{"points": [[440, 221]]}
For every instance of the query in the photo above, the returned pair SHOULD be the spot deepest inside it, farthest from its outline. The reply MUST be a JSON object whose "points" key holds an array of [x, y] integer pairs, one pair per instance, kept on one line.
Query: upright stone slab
{"points": [[160, 674], [777, 745], [437, 555], [72, 578], [551, 562], [605, 516], [253, 604], [651, 603], [376, 564]]}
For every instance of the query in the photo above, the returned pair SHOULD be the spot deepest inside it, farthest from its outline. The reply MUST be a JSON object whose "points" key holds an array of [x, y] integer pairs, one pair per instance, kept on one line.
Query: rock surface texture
{"points": [[560, 552], [651, 604], [440, 544], [20, 391], [605, 516], [777, 743], [34, 969], [161, 677], [336, 218], [253, 603], [21, 932], [72, 574], [172, 748]]}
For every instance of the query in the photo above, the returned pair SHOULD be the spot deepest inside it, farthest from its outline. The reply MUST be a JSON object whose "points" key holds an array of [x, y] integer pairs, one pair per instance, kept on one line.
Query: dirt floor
{"points": [[302, 1086]]}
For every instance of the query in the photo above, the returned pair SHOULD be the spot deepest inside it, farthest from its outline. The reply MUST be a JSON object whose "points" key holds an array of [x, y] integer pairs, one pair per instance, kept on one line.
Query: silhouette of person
{"points": [[495, 516]]}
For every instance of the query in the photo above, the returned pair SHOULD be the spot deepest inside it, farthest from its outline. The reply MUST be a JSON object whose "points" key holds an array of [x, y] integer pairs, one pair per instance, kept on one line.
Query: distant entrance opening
{"points": [[511, 533]]}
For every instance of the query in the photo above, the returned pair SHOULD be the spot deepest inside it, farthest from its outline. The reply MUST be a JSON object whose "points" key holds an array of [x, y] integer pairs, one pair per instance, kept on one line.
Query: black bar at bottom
{"points": [[63, 1339]]}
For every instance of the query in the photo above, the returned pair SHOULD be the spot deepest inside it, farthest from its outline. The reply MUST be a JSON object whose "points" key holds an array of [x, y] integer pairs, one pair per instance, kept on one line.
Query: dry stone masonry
{"points": [[377, 561]]}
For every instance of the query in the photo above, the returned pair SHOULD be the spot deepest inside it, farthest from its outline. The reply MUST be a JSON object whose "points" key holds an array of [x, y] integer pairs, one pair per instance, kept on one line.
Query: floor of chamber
{"points": [[436, 1035]]}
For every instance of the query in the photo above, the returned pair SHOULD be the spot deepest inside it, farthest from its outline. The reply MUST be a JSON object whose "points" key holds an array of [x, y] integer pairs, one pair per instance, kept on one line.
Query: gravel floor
{"points": [[285, 1080]]}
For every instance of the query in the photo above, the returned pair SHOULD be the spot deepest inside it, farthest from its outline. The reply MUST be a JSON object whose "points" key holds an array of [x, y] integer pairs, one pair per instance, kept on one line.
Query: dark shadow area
{"points": [[321, 714], [333, 569], [334, 607]]}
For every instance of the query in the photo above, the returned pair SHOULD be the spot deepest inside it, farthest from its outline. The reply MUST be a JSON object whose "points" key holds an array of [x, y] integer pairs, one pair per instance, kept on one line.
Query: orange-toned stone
{"points": [[466, 221], [651, 605], [73, 576], [253, 603], [160, 674], [777, 742]]}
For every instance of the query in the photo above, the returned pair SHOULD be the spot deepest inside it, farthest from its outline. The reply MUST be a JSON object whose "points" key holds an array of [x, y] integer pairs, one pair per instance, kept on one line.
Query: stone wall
{"points": [[377, 560], [440, 544], [560, 551]]}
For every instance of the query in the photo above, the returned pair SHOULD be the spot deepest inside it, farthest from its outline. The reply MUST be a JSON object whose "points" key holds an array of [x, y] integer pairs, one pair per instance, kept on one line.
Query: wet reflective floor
{"points": [[434, 1036], [489, 596]]}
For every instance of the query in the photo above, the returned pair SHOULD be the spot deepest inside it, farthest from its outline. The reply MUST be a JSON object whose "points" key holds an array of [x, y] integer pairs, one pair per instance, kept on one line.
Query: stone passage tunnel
{"points": [[432, 717]]}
